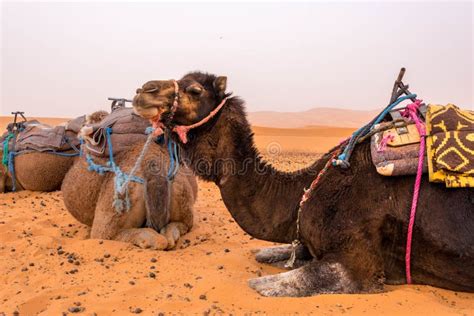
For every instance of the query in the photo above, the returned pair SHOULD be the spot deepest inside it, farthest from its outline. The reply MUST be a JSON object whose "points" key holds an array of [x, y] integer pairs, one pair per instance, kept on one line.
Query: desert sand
{"points": [[50, 267]]}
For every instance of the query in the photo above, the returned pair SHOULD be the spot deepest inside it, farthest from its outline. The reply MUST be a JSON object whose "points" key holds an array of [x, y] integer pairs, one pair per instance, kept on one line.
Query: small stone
{"points": [[31, 264], [226, 250], [137, 310], [152, 275], [75, 309], [202, 297], [60, 252], [220, 267], [106, 255], [131, 282], [153, 260], [24, 269]]}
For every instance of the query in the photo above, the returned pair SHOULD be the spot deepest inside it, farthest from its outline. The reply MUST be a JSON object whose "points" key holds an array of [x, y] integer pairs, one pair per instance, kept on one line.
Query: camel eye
{"points": [[195, 90]]}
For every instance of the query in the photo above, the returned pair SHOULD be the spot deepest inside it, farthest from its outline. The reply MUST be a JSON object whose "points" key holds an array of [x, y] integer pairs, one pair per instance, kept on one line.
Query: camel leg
{"points": [[143, 238], [317, 277], [109, 224], [278, 256], [3, 181], [173, 231]]}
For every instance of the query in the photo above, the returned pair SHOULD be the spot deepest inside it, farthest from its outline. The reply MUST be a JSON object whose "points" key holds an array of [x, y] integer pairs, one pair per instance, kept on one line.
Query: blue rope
{"points": [[174, 160], [81, 148], [343, 159], [57, 153], [121, 201], [11, 168]]}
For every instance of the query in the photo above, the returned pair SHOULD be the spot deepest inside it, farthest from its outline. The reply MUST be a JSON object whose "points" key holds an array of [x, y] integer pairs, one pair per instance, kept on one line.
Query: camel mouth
{"points": [[148, 108], [147, 113]]}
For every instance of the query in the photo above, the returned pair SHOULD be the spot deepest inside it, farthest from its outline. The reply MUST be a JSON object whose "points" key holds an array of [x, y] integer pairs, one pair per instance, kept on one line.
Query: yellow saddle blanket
{"points": [[450, 145]]}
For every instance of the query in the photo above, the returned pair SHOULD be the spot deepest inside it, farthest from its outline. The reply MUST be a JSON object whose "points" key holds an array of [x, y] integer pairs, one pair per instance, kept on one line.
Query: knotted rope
{"points": [[307, 192], [122, 180], [6, 148], [343, 159]]}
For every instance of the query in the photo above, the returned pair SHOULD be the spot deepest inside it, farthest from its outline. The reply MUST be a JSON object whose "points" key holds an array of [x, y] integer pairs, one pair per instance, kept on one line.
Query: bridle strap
{"points": [[183, 130]]}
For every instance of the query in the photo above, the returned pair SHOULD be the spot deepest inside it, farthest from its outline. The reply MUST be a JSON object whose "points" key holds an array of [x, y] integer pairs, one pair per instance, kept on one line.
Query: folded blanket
{"points": [[450, 145], [127, 129], [395, 154]]}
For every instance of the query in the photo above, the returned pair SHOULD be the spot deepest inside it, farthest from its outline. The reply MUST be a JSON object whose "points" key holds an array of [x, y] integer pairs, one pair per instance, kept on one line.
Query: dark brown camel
{"points": [[354, 224]]}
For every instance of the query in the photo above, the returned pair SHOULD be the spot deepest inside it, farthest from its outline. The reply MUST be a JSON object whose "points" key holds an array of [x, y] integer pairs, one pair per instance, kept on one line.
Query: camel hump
{"points": [[157, 201]]}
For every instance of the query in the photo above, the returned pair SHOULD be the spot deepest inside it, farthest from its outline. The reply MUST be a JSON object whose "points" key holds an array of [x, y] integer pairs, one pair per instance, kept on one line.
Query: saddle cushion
{"points": [[36, 136], [450, 145], [127, 129], [395, 154]]}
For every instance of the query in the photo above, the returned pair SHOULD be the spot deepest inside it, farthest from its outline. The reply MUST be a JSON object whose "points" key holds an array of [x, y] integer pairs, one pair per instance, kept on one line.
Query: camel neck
{"points": [[262, 200]]}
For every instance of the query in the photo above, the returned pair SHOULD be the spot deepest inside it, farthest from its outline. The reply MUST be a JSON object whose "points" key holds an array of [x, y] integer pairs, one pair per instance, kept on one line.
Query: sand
{"points": [[50, 267]]}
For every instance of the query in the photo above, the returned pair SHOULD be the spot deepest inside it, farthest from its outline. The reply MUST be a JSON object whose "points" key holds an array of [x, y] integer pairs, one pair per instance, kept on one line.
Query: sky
{"points": [[64, 59]]}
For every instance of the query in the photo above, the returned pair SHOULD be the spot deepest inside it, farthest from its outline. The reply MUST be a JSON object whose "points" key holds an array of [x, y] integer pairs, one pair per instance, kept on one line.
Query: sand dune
{"points": [[50, 267], [313, 117]]}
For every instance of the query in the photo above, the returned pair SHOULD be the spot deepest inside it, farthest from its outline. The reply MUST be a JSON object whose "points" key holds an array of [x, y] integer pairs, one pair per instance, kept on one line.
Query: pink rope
{"points": [[182, 130], [411, 112], [382, 146]]}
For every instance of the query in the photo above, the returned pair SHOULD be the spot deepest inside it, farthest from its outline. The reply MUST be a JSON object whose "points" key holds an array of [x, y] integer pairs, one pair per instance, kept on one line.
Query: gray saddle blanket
{"points": [[127, 129], [36, 136]]}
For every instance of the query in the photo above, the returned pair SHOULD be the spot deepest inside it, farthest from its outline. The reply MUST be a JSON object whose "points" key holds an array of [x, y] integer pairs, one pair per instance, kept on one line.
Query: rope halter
{"points": [[182, 130]]}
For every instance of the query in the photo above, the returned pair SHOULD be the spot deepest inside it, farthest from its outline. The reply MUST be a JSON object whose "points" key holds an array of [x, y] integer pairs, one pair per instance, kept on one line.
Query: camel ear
{"points": [[220, 84]]}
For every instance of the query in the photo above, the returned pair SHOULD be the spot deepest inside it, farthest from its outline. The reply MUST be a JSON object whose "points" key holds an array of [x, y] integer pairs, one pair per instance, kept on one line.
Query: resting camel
{"points": [[40, 171], [353, 227], [161, 211]]}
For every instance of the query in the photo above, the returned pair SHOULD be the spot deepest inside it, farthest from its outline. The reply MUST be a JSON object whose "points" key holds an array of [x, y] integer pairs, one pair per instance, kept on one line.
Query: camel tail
{"points": [[157, 201]]}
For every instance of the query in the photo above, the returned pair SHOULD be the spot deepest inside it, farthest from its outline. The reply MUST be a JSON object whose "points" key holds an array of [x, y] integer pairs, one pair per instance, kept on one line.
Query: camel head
{"points": [[182, 102]]}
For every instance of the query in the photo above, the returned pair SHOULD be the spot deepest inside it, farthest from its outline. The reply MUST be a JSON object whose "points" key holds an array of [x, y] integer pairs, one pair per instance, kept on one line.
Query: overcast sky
{"points": [[65, 59]]}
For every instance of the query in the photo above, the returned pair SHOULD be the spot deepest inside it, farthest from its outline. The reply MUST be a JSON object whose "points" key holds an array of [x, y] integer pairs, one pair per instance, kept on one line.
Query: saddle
{"points": [[125, 128], [32, 135], [449, 157], [396, 153]]}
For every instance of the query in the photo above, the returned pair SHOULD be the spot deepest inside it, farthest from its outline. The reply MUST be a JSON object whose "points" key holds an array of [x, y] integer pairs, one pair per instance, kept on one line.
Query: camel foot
{"points": [[279, 255], [172, 232], [311, 279], [145, 238]]}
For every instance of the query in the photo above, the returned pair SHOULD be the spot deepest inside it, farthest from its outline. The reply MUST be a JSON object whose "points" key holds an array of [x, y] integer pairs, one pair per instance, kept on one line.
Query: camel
{"points": [[353, 226], [41, 171], [161, 210]]}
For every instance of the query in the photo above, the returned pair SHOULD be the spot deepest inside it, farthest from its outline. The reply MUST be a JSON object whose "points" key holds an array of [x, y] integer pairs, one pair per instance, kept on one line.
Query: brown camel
{"points": [[354, 225], [40, 171], [161, 210]]}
